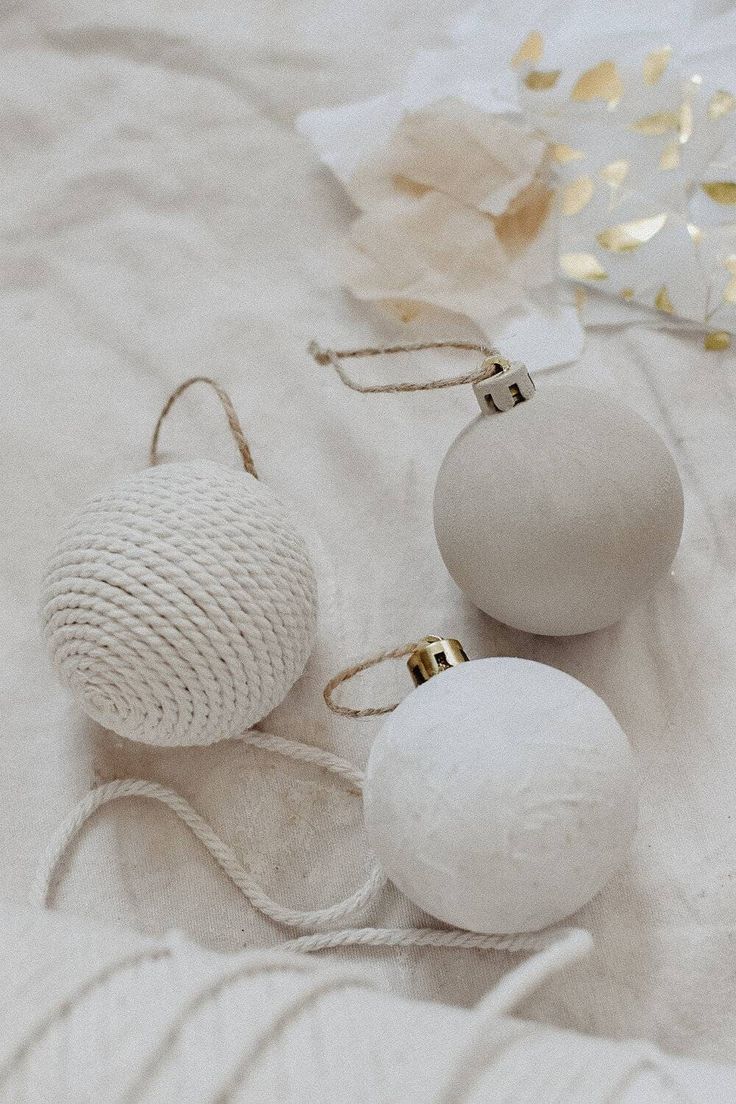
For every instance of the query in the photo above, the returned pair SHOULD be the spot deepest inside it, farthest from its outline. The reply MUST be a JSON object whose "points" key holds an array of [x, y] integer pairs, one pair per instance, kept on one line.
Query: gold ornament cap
{"points": [[434, 655]]}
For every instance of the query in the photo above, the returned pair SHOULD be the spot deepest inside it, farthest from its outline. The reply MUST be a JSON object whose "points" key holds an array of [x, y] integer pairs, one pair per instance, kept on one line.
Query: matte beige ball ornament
{"points": [[556, 511], [500, 795]]}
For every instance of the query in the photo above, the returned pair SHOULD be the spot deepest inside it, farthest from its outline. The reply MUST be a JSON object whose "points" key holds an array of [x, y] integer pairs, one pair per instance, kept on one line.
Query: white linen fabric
{"points": [[95, 1014], [161, 218]]}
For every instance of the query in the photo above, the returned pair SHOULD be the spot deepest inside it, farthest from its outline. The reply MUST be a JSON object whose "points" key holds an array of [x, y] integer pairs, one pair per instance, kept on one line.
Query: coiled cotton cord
{"points": [[557, 947]]}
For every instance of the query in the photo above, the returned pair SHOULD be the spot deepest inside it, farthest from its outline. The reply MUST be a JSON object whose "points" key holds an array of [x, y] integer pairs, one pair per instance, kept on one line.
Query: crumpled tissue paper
{"points": [[540, 181]]}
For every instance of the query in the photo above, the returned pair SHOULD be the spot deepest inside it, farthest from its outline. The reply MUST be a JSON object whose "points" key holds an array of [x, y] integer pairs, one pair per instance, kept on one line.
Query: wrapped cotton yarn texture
{"points": [[180, 605], [500, 795]]}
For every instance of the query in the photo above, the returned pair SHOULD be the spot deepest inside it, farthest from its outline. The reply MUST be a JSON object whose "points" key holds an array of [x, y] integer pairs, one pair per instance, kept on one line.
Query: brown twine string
{"points": [[356, 669], [333, 357], [232, 420]]}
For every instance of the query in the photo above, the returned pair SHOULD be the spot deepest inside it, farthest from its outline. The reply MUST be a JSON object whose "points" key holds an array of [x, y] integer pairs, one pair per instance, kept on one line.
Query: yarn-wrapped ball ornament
{"points": [[180, 605]]}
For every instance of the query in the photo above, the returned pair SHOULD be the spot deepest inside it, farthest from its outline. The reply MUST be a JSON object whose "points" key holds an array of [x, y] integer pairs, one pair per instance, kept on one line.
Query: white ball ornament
{"points": [[556, 512], [500, 796], [180, 605]]}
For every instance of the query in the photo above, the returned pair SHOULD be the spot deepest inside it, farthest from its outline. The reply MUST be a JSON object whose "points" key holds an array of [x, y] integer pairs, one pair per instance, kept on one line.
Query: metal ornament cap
{"points": [[433, 656]]}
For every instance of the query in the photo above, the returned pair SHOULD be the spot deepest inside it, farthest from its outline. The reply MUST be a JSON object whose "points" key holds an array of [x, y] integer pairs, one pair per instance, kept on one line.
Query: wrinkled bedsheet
{"points": [[161, 218]]}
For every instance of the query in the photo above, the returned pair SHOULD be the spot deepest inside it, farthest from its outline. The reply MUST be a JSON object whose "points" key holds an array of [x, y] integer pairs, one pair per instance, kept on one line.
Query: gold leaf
{"points": [[659, 123], [539, 80], [656, 63], [602, 82], [628, 236], [695, 232], [577, 195], [562, 153], [663, 302], [729, 295], [717, 340], [582, 266], [524, 217], [531, 49], [615, 173], [670, 156], [720, 104], [581, 298], [627, 293], [721, 191]]}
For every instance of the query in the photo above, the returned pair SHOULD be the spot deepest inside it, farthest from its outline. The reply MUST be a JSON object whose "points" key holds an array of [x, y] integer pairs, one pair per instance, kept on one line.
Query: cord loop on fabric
{"points": [[570, 946], [220, 851], [230, 413], [334, 356]]}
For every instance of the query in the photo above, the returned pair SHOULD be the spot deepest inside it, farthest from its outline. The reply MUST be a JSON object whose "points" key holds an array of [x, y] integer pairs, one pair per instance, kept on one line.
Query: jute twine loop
{"points": [[232, 420], [334, 356], [358, 668]]}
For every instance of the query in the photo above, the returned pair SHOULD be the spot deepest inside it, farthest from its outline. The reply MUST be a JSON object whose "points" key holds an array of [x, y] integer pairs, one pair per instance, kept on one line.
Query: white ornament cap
{"points": [[507, 385]]}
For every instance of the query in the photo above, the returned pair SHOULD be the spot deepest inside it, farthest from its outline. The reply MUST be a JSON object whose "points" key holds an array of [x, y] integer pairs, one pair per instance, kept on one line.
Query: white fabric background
{"points": [[159, 217]]}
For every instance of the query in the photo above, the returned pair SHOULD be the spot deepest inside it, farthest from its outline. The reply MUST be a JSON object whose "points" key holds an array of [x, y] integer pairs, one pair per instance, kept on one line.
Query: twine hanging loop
{"points": [[334, 356], [230, 413]]}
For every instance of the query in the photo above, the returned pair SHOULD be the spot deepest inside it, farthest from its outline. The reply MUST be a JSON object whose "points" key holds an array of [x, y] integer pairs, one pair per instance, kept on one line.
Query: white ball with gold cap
{"points": [[500, 795]]}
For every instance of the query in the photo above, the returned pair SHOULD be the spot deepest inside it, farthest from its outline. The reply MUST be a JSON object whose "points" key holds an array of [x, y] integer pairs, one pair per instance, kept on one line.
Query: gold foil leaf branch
{"points": [[720, 104], [615, 173], [531, 50], [720, 191], [582, 266], [661, 122], [602, 82], [656, 63], [540, 80], [563, 153], [628, 236], [729, 295], [576, 195], [717, 341], [670, 156], [663, 302]]}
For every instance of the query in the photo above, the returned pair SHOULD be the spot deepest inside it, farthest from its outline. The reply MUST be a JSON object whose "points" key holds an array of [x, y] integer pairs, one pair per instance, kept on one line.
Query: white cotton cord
{"points": [[305, 753], [572, 945], [97, 980], [318, 983], [559, 950], [220, 851], [536, 970], [228, 861], [429, 937], [568, 945]]}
